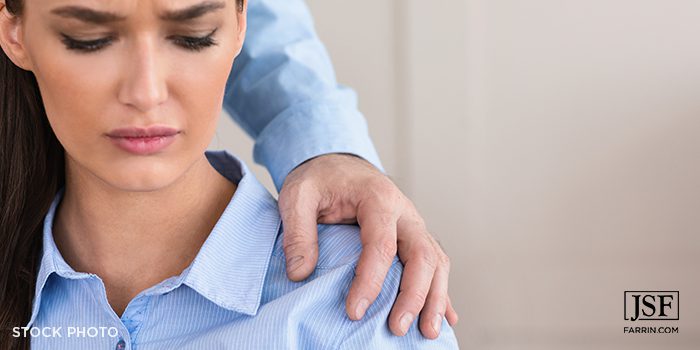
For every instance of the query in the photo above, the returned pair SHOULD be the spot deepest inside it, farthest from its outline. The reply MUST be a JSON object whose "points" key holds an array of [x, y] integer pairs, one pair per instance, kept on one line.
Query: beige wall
{"points": [[553, 147]]}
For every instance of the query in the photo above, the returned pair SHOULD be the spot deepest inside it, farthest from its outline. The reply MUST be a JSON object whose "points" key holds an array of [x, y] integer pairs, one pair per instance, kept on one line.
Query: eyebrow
{"points": [[100, 17]]}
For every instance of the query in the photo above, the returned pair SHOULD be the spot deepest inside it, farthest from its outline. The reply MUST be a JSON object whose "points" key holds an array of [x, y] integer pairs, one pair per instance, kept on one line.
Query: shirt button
{"points": [[121, 345]]}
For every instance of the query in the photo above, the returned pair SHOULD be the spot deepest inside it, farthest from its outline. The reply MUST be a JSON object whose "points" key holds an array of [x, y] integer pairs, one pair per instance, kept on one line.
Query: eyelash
{"points": [[186, 42]]}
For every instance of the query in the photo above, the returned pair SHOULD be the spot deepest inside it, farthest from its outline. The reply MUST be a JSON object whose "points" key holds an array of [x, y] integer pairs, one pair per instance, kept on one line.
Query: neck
{"points": [[134, 240]]}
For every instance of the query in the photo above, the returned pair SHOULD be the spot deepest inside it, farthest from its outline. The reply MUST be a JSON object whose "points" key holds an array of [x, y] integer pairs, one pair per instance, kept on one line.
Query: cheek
{"points": [[73, 114], [73, 107], [204, 100], [74, 90], [200, 92]]}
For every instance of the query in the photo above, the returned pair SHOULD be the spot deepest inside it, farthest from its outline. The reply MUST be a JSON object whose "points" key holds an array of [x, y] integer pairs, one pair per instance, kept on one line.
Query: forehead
{"points": [[117, 10], [120, 4]]}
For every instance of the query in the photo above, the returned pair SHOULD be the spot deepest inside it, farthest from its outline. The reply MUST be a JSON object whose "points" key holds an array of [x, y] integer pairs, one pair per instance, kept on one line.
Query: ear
{"points": [[242, 25], [11, 38]]}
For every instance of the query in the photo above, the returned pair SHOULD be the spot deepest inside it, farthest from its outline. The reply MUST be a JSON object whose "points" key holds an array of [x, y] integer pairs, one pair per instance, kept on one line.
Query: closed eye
{"points": [[186, 42]]}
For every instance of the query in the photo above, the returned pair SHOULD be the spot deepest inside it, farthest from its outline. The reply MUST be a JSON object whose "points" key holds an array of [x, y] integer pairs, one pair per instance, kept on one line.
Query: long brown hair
{"points": [[32, 171]]}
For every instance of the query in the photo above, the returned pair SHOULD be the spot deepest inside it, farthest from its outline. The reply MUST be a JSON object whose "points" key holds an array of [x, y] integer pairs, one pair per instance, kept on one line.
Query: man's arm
{"points": [[283, 92]]}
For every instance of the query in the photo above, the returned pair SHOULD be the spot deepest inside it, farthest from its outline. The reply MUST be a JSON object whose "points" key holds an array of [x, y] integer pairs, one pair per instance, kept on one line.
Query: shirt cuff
{"points": [[310, 130]]}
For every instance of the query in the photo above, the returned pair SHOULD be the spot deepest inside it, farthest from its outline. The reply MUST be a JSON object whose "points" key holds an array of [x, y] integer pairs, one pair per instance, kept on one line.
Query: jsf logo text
{"points": [[648, 305]]}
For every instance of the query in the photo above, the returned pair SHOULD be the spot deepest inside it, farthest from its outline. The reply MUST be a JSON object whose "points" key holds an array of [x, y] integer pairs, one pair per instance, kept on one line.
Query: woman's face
{"points": [[118, 76]]}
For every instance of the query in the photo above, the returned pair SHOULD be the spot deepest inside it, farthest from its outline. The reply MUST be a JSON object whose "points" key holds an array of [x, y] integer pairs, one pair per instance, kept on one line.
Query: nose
{"points": [[144, 86]]}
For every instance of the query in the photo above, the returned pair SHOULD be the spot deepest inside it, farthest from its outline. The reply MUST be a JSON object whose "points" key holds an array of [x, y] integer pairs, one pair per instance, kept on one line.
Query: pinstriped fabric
{"points": [[234, 295]]}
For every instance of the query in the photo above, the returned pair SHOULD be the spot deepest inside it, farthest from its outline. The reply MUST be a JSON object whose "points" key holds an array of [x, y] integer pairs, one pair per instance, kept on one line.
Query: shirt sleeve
{"points": [[283, 92], [372, 332]]}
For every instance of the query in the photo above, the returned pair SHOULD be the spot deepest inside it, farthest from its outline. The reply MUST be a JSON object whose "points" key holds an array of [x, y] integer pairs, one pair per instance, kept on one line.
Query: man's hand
{"points": [[342, 189]]}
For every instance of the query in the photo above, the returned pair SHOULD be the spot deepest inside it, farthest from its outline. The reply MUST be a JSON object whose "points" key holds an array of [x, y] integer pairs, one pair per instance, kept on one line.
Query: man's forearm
{"points": [[283, 92]]}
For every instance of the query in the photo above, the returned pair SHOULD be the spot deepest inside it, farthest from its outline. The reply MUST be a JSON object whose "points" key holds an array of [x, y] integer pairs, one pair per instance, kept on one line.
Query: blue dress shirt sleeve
{"points": [[283, 92]]}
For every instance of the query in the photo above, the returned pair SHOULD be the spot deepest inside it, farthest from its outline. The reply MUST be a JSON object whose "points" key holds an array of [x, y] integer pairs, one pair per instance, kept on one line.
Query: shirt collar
{"points": [[231, 265]]}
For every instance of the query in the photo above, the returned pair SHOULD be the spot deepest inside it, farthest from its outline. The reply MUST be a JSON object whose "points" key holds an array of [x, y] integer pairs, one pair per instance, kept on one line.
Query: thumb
{"points": [[300, 235]]}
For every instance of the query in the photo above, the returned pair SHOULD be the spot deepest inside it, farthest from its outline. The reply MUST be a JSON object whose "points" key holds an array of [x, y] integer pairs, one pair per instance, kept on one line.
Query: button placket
{"points": [[133, 316]]}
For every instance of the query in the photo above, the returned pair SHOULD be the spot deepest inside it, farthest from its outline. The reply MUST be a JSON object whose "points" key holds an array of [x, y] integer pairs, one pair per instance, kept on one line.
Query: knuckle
{"points": [[382, 189], [299, 213], [414, 222], [416, 296], [409, 208], [374, 281], [418, 220], [289, 188], [295, 240], [421, 223], [386, 249], [437, 303], [427, 257], [378, 183], [438, 245], [296, 190], [385, 220], [445, 260]]}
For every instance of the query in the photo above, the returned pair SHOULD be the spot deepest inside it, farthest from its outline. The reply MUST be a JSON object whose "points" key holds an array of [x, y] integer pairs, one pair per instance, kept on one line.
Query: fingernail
{"points": [[437, 322], [294, 263], [361, 308], [405, 322]]}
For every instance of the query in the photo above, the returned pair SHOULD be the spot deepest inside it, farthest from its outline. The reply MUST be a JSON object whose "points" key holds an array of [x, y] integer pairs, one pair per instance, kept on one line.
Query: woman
{"points": [[123, 235]]}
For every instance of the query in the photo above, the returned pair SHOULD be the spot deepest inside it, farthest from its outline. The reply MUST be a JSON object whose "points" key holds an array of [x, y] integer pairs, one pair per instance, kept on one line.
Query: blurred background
{"points": [[553, 147]]}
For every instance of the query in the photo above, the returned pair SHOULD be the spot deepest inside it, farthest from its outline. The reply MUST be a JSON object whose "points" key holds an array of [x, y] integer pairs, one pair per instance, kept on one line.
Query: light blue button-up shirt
{"points": [[234, 295], [283, 92]]}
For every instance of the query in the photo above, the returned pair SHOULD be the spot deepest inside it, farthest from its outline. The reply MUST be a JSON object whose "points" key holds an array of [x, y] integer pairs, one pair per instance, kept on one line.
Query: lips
{"points": [[153, 131], [143, 141]]}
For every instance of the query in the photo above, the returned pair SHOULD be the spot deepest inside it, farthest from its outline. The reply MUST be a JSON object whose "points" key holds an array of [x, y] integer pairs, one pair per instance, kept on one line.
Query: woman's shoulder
{"points": [[322, 296]]}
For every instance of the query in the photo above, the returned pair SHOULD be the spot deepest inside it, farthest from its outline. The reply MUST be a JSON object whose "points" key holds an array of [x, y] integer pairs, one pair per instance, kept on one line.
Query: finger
{"points": [[419, 270], [437, 302], [378, 236], [451, 313], [299, 210]]}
